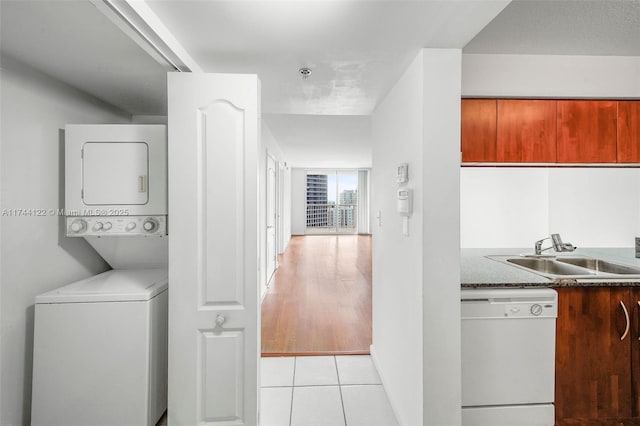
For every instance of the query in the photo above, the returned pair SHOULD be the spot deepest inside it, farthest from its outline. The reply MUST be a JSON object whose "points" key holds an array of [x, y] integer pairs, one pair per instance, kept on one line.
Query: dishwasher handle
{"points": [[626, 316]]}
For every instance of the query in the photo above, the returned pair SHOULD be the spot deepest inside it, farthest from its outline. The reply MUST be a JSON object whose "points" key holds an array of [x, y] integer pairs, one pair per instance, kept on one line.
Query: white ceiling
{"points": [[356, 49], [593, 28]]}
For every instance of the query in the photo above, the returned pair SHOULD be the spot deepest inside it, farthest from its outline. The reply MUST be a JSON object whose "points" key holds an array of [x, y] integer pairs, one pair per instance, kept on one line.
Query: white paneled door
{"points": [[213, 249], [272, 252]]}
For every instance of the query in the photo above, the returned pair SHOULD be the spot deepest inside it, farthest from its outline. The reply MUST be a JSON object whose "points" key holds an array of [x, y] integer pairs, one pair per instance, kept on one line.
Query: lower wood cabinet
{"points": [[598, 356]]}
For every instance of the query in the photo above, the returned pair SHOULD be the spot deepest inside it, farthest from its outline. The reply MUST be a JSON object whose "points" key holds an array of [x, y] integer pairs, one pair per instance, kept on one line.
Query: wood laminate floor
{"points": [[319, 300]]}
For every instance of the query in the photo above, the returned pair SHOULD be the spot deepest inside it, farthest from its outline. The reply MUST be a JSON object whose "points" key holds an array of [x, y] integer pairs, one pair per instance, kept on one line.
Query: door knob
{"points": [[220, 319]]}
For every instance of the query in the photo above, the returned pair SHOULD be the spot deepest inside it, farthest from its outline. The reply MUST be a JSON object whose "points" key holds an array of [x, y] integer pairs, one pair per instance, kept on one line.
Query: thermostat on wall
{"points": [[403, 173]]}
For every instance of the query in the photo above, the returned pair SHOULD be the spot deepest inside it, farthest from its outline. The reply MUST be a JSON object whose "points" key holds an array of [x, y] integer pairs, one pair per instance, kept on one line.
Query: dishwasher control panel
{"points": [[509, 303], [534, 309]]}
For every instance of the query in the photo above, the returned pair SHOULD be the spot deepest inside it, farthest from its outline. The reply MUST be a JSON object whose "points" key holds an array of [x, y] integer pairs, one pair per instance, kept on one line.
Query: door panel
{"points": [[271, 218], [629, 131], [634, 303], [593, 366], [478, 130], [587, 131], [213, 249], [220, 217], [526, 131], [219, 352]]}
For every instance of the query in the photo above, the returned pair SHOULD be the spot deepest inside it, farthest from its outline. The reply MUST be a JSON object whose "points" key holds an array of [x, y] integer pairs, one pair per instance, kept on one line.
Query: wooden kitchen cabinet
{"points": [[634, 301], [526, 131], [628, 131], [478, 130], [587, 131], [593, 364]]}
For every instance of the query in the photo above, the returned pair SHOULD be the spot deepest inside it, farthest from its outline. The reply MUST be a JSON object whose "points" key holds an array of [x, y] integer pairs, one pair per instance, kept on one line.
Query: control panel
{"points": [[532, 309], [83, 226]]}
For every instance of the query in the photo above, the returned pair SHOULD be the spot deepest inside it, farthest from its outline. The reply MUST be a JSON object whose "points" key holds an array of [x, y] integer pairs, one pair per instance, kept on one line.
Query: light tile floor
{"points": [[323, 391]]}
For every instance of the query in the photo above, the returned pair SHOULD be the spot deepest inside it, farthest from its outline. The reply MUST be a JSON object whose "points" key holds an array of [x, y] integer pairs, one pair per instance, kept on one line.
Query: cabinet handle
{"points": [[142, 183], [638, 311], [626, 316]]}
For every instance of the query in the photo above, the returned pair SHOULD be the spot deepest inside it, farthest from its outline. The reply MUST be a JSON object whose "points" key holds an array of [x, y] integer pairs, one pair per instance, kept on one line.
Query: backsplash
{"points": [[504, 207]]}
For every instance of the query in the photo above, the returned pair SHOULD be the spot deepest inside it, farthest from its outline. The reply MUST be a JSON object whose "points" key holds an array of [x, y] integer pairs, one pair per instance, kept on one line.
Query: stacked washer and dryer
{"points": [[100, 344]]}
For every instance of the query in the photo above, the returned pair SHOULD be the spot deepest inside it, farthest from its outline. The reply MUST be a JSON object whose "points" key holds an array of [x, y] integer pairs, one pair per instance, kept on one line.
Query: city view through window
{"points": [[332, 202]]}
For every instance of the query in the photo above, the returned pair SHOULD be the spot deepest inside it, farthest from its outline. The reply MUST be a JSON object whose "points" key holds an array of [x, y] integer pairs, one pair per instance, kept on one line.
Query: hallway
{"points": [[319, 300]]}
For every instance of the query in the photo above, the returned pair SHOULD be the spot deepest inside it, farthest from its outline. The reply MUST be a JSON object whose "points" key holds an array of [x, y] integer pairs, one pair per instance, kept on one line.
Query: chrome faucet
{"points": [[557, 245]]}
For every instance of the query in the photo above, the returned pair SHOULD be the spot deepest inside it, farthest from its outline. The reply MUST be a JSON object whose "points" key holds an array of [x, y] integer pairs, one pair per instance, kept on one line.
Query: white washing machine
{"points": [[100, 354]]}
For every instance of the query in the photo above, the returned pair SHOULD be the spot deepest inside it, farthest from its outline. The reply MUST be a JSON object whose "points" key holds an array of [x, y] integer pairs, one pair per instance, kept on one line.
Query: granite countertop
{"points": [[478, 271]]}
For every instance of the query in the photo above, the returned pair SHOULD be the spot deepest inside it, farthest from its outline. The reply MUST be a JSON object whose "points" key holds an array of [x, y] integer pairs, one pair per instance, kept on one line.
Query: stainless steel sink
{"points": [[600, 265], [570, 267], [548, 266]]}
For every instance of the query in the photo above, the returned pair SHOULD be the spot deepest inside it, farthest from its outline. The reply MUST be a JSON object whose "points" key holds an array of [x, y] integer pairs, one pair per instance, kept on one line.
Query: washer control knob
{"points": [[98, 226], [536, 309], [131, 226], [150, 224], [78, 225], [106, 226]]}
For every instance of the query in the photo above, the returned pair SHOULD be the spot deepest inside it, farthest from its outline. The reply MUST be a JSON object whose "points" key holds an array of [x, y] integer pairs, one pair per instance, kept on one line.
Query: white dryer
{"points": [[100, 353]]}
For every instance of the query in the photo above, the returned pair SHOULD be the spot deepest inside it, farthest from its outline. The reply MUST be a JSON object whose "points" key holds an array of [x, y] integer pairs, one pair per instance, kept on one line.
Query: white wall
{"points": [[503, 207], [441, 237], [35, 254], [550, 76], [595, 207], [397, 260], [514, 207], [323, 141], [415, 347], [268, 146]]}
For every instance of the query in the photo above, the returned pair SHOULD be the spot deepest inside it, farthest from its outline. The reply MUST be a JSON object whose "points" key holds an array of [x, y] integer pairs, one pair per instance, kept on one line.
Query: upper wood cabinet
{"points": [[587, 131], [478, 130], [629, 132], [526, 131]]}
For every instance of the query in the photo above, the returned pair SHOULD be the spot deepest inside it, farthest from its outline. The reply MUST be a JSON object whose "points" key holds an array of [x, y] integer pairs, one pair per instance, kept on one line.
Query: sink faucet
{"points": [[557, 245]]}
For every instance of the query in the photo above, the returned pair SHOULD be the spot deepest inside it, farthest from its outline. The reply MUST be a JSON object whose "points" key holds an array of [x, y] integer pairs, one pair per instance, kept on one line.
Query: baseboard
{"points": [[381, 373], [316, 353]]}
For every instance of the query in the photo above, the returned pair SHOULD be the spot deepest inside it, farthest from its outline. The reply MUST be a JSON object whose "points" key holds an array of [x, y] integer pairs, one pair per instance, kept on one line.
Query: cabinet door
{"points": [[478, 130], [587, 131], [593, 364], [629, 132], [634, 303], [526, 131]]}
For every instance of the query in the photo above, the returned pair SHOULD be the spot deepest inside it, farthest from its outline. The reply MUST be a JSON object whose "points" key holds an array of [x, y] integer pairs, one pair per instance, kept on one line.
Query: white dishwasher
{"points": [[508, 356]]}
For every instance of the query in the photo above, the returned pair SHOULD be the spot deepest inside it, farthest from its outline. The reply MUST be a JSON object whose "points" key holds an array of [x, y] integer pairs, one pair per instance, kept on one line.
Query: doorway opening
{"points": [[319, 299]]}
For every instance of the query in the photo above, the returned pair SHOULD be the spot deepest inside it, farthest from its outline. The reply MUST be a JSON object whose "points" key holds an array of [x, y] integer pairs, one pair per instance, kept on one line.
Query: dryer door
{"points": [[115, 173]]}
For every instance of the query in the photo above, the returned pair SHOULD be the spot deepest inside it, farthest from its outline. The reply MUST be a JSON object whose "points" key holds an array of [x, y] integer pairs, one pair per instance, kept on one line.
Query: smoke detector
{"points": [[304, 72]]}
